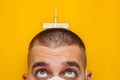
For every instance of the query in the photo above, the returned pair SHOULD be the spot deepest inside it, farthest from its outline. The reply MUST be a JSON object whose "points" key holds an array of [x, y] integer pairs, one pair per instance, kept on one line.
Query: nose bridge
{"points": [[56, 66]]}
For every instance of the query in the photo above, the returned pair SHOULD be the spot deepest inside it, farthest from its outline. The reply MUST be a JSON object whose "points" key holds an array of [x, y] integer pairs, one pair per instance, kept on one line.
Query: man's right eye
{"points": [[42, 74]]}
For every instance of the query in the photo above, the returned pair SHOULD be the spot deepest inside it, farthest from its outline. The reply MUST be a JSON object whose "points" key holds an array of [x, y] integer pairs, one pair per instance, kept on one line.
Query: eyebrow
{"points": [[69, 63], [73, 63], [39, 64]]}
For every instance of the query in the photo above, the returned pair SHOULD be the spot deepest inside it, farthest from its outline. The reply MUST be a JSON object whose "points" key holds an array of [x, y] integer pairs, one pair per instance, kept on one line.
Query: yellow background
{"points": [[96, 21]]}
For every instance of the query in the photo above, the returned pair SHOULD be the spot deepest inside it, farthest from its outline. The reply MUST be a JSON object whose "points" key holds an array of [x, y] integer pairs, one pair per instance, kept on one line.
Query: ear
{"points": [[25, 77], [88, 75]]}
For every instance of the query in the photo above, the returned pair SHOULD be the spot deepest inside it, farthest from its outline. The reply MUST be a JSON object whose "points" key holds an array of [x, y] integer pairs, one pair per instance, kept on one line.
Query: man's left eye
{"points": [[70, 74]]}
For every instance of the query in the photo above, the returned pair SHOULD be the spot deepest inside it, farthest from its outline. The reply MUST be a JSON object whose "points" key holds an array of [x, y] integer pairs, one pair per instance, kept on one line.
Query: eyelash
{"points": [[36, 72], [69, 69]]}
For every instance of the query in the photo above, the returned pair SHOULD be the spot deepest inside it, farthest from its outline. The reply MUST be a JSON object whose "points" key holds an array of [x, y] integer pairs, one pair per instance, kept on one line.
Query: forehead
{"points": [[60, 55]]}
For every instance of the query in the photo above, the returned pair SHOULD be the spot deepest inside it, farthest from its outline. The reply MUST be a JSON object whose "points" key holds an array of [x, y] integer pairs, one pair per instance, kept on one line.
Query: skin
{"points": [[65, 62]]}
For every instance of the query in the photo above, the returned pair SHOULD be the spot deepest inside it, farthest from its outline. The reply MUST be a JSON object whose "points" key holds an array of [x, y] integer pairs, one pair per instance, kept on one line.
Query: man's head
{"points": [[56, 52]]}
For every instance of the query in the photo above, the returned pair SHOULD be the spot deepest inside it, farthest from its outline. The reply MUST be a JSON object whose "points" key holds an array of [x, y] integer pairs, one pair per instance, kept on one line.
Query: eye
{"points": [[42, 73], [70, 74]]}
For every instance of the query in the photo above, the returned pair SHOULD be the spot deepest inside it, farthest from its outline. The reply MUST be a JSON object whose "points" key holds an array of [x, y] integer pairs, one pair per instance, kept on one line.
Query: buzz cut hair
{"points": [[58, 37]]}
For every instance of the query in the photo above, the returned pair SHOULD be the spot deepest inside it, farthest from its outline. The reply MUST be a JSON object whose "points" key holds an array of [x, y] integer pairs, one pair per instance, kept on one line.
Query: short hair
{"points": [[58, 37]]}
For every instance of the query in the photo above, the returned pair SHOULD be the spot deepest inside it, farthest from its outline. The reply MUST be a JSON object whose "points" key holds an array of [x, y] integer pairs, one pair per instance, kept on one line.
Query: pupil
{"points": [[69, 72], [42, 72]]}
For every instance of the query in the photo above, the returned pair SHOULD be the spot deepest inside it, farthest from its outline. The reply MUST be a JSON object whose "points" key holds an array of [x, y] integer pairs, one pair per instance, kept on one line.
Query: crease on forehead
{"points": [[71, 49], [62, 51]]}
